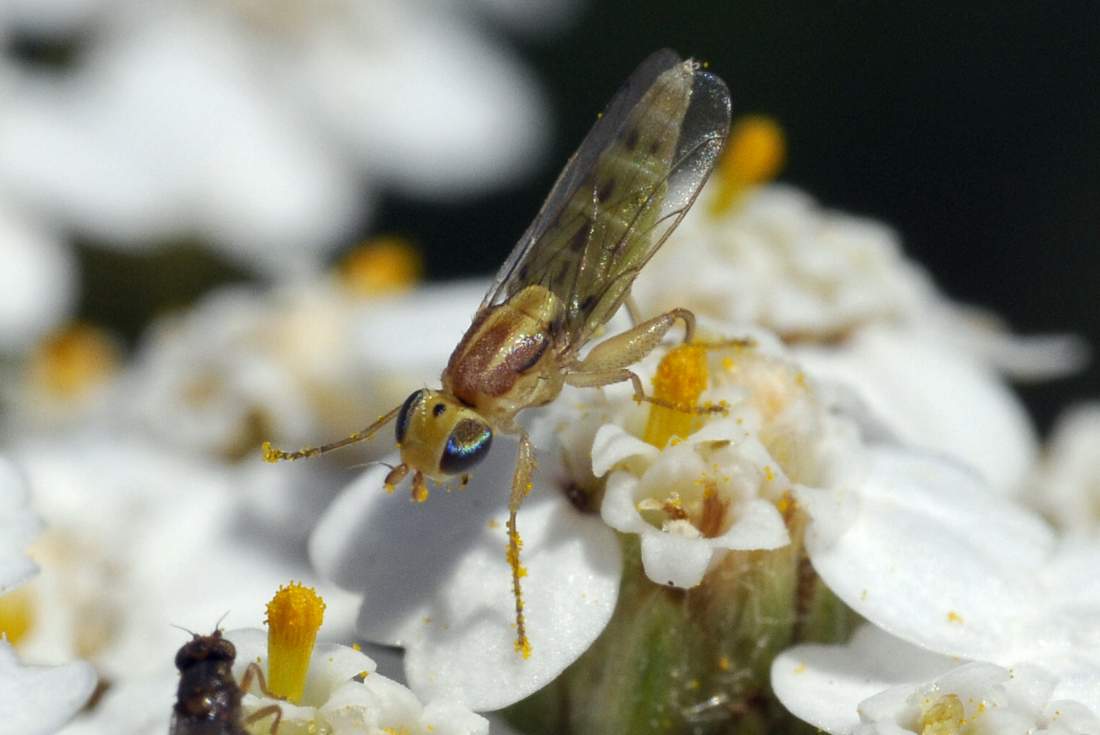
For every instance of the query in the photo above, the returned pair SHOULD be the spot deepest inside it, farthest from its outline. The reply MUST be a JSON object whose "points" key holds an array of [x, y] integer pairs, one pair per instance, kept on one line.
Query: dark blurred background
{"points": [[972, 130]]}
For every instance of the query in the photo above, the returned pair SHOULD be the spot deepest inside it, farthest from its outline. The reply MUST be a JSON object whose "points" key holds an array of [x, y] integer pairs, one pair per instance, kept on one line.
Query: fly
{"points": [[622, 193]]}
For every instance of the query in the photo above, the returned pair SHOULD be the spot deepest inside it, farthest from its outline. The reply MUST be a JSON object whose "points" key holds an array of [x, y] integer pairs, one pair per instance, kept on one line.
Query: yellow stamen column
{"points": [[681, 378], [294, 616], [754, 154]]}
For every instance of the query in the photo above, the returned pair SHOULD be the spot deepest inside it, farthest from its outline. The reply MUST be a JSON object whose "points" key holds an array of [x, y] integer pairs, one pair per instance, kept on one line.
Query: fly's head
{"points": [[439, 438]]}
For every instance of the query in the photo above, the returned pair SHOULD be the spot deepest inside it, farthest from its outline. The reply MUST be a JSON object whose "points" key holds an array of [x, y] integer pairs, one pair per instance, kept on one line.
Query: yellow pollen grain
{"points": [[382, 265], [73, 361], [681, 378], [724, 663], [953, 617], [294, 616], [800, 669], [356, 647], [785, 504], [17, 609], [769, 473], [754, 154]]}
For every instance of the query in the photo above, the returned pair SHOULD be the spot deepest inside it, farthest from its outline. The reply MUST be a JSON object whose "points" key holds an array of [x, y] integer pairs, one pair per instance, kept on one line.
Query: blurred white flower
{"points": [[1065, 484], [839, 290], [141, 537], [18, 527], [298, 364], [259, 127], [37, 282], [879, 685], [345, 694], [38, 700]]}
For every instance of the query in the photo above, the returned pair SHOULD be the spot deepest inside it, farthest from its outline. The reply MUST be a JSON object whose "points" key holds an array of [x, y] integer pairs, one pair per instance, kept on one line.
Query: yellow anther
{"points": [[384, 264], [294, 616], [723, 663], [944, 716], [420, 492], [681, 378], [73, 360], [754, 154], [16, 614], [271, 454]]}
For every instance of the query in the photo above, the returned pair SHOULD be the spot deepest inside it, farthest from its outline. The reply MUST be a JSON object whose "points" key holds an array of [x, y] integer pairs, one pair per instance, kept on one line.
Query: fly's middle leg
{"points": [[608, 361]]}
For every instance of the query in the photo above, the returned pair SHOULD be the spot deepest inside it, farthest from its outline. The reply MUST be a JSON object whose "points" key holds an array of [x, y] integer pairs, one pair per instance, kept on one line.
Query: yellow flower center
{"points": [[943, 716], [72, 361], [754, 154], [16, 614], [681, 378], [294, 616], [386, 264]]}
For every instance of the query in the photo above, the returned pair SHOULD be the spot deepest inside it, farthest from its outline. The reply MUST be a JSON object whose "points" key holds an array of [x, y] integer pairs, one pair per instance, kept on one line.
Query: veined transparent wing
{"points": [[622, 193]]}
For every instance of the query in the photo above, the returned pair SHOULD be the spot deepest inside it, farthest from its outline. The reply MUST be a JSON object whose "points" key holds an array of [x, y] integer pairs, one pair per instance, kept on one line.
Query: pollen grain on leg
{"points": [[515, 544]]}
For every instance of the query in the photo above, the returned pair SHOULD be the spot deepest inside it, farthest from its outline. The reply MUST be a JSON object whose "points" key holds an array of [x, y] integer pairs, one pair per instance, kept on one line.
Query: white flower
{"points": [[1066, 483], [37, 282], [141, 537], [879, 685], [435, 580], [260, 127], [18, 527], [300, 364], [345, 694], [719, 487], [37, 700], [839, 290]]}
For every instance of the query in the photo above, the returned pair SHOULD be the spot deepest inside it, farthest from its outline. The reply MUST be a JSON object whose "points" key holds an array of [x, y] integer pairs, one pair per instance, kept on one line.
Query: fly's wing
{"points": [[621, 194]]}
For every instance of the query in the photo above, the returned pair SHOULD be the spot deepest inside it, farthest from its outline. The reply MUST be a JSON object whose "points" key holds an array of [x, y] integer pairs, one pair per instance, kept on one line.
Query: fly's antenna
{"points": [[271, 454], [218, 625], [190, 632]]}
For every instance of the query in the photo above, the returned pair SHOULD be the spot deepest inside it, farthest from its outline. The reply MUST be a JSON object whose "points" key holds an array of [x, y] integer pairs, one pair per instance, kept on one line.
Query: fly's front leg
{"points": [[521, 488], [608, 361]]}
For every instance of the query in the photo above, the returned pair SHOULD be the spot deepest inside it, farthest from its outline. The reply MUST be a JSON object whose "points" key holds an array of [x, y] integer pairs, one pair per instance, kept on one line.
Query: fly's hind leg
{"points": [[608, 361], [521, 488]]}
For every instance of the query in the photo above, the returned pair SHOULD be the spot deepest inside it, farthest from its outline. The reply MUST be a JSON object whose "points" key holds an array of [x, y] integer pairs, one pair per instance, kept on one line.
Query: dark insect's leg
{"points": [[268, 711], [254, 672]]}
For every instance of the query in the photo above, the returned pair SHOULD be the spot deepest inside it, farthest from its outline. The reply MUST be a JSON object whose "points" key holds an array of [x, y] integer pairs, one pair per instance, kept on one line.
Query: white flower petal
{"points": [[932, 556], [935, 397], [824, 685], [429, 133], [613, 444], [37, 283], [677, 561], [436, 581], [18, 527], [40, 699]]}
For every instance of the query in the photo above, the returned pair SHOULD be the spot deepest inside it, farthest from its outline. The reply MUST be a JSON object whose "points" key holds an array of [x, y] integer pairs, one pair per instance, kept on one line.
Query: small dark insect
{"points": [[209, 699]]}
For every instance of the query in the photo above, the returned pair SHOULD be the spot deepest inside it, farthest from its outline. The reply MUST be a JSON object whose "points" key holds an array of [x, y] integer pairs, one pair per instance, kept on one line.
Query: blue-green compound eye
{"points": [[402, 425], [466, 446]]}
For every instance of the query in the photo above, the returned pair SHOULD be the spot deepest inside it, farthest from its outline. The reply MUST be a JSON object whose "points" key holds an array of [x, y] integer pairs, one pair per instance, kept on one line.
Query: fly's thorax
{"points": [[506, 361], [439, 436]]}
